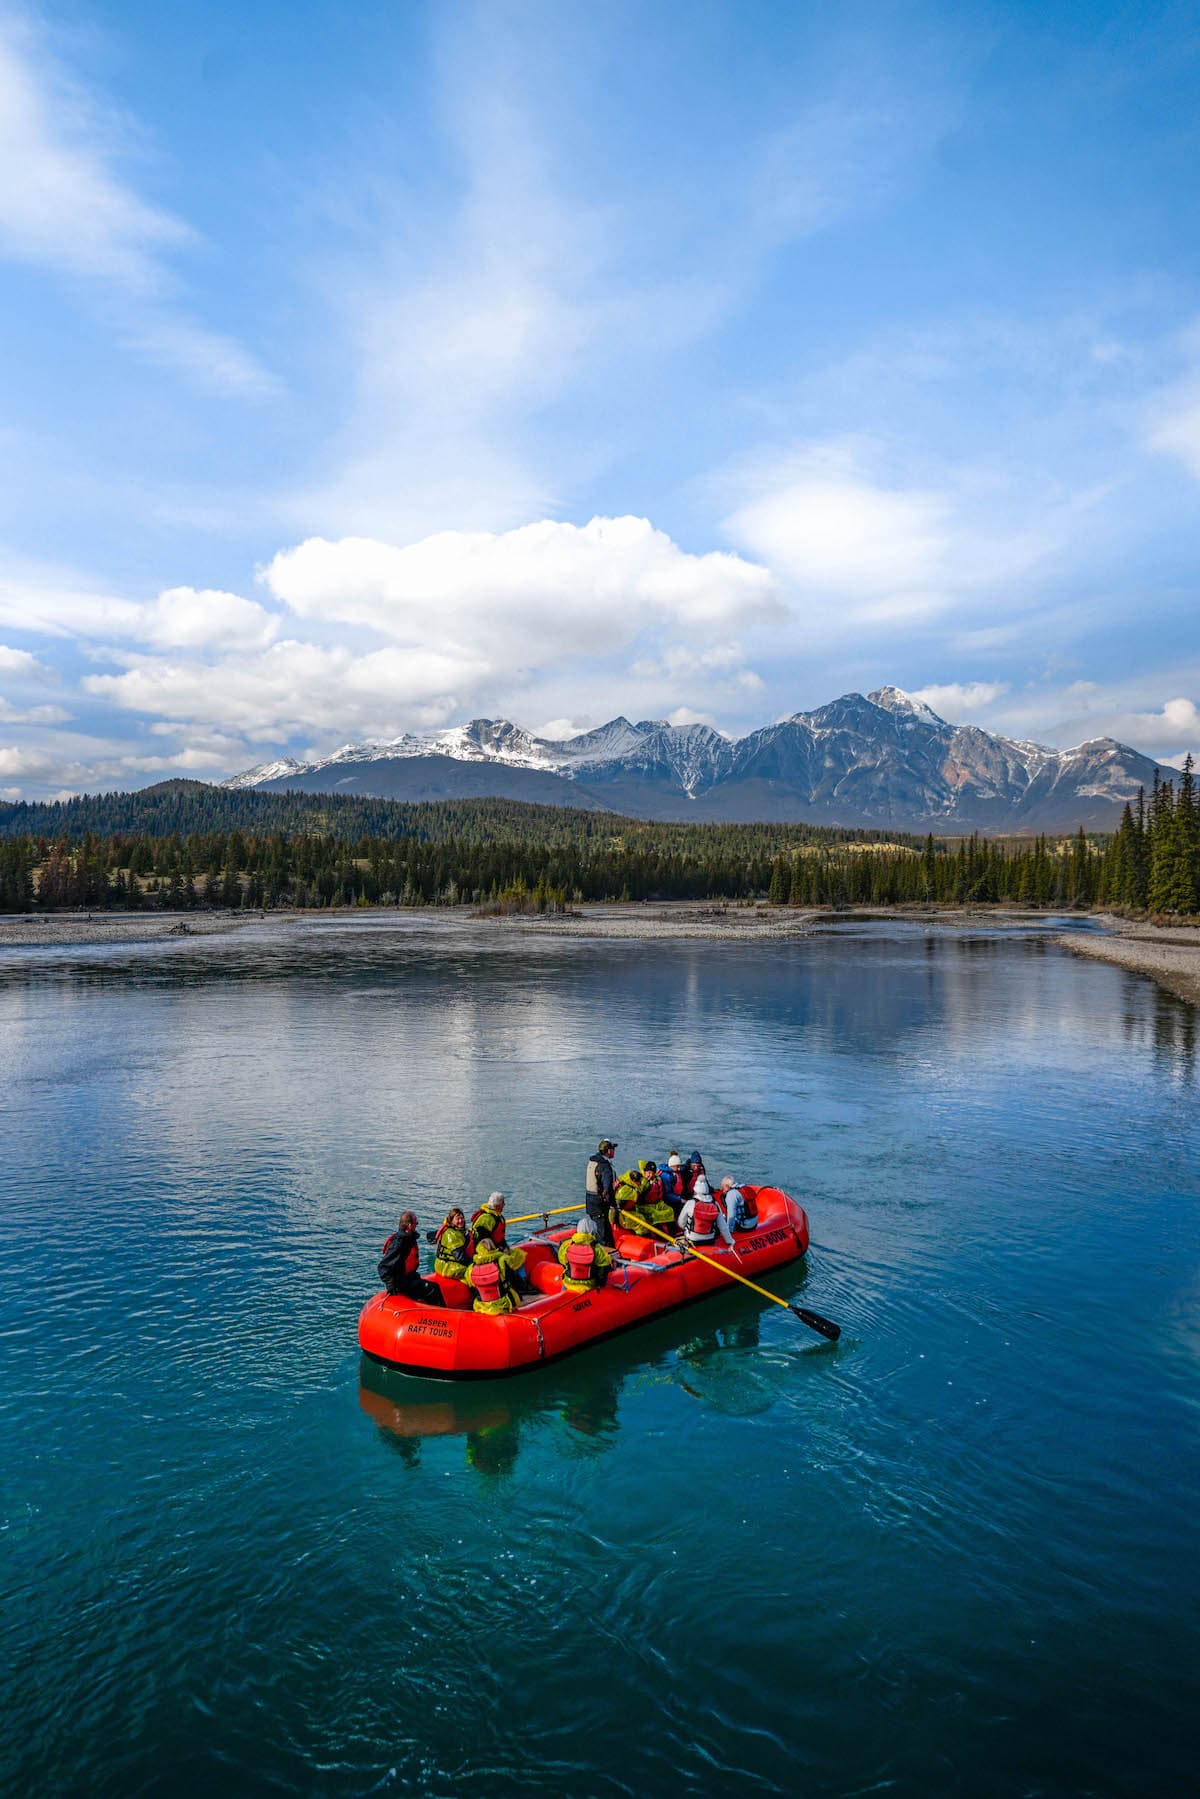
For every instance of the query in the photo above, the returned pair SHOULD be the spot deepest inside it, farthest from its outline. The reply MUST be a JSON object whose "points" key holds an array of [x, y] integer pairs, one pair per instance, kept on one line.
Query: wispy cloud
{"points": [[65, 209], [848, 540], [533, 280]]}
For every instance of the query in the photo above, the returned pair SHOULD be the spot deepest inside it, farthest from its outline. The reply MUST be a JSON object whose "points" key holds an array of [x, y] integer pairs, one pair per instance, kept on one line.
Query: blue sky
{"points": [[370, 368]]}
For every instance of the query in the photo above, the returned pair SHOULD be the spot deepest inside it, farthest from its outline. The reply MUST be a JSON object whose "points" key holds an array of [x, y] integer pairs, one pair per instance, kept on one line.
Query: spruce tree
{"points": [[1187, 838]]}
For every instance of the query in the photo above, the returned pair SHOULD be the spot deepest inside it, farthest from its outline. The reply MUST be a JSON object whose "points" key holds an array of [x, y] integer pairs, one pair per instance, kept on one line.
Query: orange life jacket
{"points": [[487, 1282], [495, 1236], [581, 1259], [412, 1257], [704, 1218]]}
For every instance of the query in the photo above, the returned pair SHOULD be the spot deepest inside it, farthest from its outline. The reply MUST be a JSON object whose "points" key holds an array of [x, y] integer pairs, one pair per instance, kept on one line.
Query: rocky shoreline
{"points": [[1169, 955], [671, 919]]}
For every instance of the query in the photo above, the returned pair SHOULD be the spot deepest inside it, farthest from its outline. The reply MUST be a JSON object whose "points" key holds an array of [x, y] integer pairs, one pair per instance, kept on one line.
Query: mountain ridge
{"points": [[884, 758]]}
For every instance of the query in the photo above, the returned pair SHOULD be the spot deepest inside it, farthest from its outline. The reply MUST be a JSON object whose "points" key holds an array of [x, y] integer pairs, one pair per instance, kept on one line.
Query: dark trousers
{"points": [[415, 1286], [599, 1210]]}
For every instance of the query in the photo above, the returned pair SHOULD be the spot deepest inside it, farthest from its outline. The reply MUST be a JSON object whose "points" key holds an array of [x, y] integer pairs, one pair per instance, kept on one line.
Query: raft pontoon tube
{"points": [[458, 1343]]}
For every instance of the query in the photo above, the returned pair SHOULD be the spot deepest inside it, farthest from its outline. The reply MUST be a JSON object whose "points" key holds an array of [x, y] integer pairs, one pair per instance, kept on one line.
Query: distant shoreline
{"points": [[717, 920], [1169, 955]]}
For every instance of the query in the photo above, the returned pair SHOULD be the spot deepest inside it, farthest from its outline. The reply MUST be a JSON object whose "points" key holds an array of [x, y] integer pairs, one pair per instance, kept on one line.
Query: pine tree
{"points": [[1170, 884], [1187, 836]]}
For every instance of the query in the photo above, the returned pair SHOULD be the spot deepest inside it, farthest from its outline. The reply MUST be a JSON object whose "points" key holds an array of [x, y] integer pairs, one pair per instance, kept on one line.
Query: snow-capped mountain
{"points": [[881, 759]]}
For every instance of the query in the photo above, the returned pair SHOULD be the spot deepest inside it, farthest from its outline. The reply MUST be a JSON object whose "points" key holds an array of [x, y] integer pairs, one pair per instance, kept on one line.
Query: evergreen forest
{"points": [[184, 844]]}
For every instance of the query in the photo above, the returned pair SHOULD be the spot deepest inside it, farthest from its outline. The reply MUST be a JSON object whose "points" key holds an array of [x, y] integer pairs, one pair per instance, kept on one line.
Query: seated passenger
{"points": [[492, 1276], [693, 1171], [671, 1175], [702, 1219], [740, 1208], [452, 1257], [628, 1197], [487, 1224], [654, 1205], [400, 1265], [585, 1261]]}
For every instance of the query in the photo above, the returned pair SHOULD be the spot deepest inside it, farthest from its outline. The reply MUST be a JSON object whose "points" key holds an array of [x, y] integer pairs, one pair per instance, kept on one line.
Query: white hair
{"points": [[587, 1226], [494, 1200]]}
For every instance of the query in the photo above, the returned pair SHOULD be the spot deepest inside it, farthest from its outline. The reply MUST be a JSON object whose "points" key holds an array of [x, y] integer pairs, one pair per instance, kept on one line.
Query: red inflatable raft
{"points": [[460, 1344]]}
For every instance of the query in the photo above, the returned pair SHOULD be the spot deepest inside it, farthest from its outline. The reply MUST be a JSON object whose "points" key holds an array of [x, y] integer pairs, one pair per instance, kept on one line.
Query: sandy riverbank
{"points": [[758, 923], [1169, 955], [54, 930]]}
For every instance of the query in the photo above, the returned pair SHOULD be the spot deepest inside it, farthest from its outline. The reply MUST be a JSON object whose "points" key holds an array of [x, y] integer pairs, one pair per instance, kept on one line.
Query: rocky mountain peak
{"points": [[904, 705], [884, 758]]}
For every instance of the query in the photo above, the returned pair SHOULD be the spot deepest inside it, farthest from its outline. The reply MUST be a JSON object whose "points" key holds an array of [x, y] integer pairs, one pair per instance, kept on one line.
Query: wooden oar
{"points": [[824, 1326]]}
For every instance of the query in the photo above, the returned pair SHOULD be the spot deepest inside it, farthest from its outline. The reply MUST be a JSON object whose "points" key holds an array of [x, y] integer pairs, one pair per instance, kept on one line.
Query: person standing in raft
{"points": [[740, 1209], [452, 1257], [586, 1264], [702, 1219], [492, 1277], [400, 1265], [598, 1189]]}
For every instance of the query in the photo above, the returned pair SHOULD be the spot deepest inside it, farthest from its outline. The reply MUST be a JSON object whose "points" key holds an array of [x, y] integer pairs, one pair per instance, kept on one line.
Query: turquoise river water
{"points": [[956, 1553]]}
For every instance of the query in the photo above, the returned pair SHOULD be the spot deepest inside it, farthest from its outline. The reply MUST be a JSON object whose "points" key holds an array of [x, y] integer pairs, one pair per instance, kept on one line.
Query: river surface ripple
{"points": [[956, 1553]]}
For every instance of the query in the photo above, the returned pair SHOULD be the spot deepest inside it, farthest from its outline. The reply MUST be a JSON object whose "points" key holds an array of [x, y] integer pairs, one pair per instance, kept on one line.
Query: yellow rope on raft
{"points": [[692, 1250], [528, 1217]]}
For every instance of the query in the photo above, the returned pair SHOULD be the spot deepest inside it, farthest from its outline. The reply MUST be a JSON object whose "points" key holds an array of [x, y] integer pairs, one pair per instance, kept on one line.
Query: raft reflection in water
{"points": [[724, 1366], [586, 1402]]}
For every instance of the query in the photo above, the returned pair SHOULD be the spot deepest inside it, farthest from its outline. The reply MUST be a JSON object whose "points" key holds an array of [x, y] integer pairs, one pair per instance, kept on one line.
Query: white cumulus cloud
{"points": [[21, 663], [686, 662], [295, 687], [55, 603], [958, 700], [26, 764], [540, 591], [195, 618]]}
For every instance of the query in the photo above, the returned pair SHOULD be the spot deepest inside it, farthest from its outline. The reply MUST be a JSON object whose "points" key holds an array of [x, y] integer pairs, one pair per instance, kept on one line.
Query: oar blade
{"points": [[825, 1327]]}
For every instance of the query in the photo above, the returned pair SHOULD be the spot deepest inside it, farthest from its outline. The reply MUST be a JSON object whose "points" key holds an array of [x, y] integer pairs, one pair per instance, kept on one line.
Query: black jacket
{"points": [[400, 1262]]}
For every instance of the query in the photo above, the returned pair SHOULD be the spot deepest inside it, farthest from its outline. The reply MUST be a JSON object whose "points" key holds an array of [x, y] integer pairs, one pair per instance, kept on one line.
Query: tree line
{"points": [[505, 855], [1150, 863], [183, 808]]}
